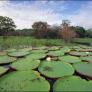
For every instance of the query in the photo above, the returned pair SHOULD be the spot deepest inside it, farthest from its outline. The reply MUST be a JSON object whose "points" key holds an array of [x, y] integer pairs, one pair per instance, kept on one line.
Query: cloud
{"points": [[25, 14], [83, 16]]}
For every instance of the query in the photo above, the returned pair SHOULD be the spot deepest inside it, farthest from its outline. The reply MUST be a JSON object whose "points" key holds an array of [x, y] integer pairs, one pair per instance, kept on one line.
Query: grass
{"points": [[17, 42], [21, 42], [83, 40]]}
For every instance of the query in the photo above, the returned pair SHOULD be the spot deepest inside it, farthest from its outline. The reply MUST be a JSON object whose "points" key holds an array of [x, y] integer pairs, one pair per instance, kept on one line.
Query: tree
{"points": [[52, 32], [89, 33], [66, 32], [80, 31], [40, 29], [7, 26]]}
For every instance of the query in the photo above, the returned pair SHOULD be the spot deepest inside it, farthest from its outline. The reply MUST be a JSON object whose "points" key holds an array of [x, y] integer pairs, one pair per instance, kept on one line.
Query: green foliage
{"points": [[79, 30], [6, 25], [21, 42]]}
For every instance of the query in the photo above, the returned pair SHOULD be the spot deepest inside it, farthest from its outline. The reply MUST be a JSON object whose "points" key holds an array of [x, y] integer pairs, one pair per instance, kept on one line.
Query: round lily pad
{"points": [[70, 59], [26, 49], [90, 53], [38, 51], [72, 83], [75, 47], [10, 50], [65, 49], [40, 48], [36, 56], [3, 70], [25, 64], [53, 48], [6, 59], [81, 50], [18, 53], [84, 68], [76, 53], [87, 58], [56, 53], [23, 81], [55, 69]]}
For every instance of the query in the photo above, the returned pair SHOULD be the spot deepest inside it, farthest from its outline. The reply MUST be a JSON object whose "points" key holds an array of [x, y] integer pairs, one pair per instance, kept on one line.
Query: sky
{"points": [[26, 12]]}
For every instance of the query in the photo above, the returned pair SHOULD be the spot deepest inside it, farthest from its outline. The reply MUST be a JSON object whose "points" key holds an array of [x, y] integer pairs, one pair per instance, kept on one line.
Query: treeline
{"points": [[43, 30]]}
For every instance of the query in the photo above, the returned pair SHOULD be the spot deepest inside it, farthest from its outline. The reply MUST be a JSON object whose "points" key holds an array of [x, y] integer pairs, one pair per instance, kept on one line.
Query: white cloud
{"points": [[83, 17], [24, 15]]}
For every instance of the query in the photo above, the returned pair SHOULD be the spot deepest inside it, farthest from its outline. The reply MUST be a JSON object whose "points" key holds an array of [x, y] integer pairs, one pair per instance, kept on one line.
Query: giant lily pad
{"points": [[3, 70], [72, 83], [6, 59], [76, 53], [23, 81], [90, 53], [55, 69], [75, 47], [25, 64], [87, 58], [26, 49], [10, 50], [38, 51], [56, 53], [84, 68], [40, 48], [70, 59], [53, 48], [36, 56], [65, 49], [18, 53]]}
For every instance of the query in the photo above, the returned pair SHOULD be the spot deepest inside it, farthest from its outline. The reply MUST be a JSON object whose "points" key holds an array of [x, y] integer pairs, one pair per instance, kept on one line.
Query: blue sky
{"points": [[26, 12]]}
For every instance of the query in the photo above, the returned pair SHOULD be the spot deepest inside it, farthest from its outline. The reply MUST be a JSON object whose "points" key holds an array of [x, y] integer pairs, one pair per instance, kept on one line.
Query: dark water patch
{"points": [[83, 43]]}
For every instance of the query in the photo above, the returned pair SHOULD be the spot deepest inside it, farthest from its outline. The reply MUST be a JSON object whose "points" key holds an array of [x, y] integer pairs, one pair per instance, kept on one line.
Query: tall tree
{"points": [[65, 31], [7, 25], [40, 29], [80, 31], [52, 31]]}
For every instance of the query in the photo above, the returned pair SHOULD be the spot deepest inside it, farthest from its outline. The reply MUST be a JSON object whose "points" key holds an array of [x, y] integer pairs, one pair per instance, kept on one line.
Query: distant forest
{"points": [[42, 29]]}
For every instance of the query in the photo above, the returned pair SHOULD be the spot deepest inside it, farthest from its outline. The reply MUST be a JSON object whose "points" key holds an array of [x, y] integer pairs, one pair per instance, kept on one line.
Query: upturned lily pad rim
{"points": [[4, 70], [7, 59], [73, 53], [86, 58], [22, 53], [81, 73]]}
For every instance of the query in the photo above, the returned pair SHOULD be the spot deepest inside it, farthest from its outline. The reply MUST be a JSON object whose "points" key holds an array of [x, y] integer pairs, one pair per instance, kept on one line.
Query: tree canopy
{"points": [[7, 25]]}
